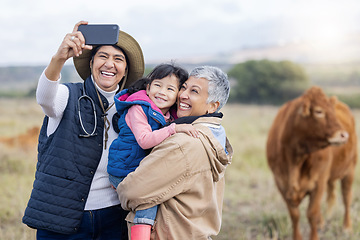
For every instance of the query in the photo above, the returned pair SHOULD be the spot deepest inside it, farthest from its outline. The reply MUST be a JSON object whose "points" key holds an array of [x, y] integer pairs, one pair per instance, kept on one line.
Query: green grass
{"points": [[253, 208]]}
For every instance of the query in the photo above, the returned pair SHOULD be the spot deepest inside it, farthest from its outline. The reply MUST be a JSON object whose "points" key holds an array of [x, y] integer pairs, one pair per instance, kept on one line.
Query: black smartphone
{"points": [[100, 34]]}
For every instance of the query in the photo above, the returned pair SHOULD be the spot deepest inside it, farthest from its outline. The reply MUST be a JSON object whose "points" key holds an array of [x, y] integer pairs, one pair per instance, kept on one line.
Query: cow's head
{"points": [[316, 122]]}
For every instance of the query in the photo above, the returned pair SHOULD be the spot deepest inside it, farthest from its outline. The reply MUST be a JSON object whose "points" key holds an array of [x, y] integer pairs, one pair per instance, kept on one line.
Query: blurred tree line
{"points": [[267, 82], [252, 82], [276, 82]]}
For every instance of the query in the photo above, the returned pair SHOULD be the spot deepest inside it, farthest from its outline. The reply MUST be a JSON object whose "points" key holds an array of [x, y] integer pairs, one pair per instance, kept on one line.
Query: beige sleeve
{"points": [[160, 176]]}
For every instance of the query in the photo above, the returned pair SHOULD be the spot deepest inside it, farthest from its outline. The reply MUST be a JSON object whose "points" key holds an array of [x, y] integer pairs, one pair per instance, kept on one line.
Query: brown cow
{"points": [[312, 143]]}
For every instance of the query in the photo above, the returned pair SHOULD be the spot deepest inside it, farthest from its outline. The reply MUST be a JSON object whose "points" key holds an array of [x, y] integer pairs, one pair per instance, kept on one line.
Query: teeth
{"points": [[160, 99], [184, 105], [108, 73]]}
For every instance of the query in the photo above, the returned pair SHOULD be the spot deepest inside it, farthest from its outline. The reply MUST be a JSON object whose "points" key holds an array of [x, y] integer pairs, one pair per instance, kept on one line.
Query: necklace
{"points": [[104, 116]]}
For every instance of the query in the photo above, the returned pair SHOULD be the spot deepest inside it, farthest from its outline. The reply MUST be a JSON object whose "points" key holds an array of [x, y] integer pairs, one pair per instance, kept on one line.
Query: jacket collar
{"points": [[191, 119]]}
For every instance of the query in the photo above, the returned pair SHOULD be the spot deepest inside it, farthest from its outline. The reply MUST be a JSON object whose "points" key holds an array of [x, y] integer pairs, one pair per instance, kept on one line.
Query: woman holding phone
{"points": [[72, 197]]}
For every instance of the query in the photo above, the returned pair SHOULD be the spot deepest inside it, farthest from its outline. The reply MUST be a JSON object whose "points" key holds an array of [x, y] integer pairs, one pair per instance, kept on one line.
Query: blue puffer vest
{"points": [[125, 153], [66, 165]]}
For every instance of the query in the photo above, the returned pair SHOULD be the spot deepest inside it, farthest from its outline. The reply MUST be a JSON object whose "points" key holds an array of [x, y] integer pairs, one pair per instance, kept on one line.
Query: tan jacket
{"points": [[185, 177]]}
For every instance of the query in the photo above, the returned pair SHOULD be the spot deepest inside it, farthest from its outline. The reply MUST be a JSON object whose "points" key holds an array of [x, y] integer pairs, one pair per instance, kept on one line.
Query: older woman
{"points": [[72, 197], [185, 175]]}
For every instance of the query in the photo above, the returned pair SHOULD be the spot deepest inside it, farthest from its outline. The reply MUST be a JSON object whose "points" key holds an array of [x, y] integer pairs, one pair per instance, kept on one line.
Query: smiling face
{"points": [[108, 67], [163, 92], [192, 98]]}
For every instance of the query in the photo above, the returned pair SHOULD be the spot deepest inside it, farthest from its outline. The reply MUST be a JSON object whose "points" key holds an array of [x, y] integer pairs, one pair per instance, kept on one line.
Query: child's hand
{"points": [[188, 129]]}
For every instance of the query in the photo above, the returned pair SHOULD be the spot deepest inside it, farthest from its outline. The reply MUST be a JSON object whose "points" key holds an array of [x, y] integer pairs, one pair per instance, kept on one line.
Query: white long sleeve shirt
{"points": [[53, 97]]}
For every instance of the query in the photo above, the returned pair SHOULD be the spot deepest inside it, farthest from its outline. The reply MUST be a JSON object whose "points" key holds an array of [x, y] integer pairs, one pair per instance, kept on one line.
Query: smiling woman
{"points": [[78, 128], [109, 67]]}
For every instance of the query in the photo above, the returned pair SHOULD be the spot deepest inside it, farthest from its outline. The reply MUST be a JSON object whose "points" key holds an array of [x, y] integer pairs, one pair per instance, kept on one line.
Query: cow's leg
{"points": [[331, 197], [346, 190], [294, 213], [294, 173], [314, 210]]}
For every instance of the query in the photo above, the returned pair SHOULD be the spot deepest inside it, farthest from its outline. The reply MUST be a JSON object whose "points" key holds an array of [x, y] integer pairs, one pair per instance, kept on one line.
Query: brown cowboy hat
{"points": [[134, 55]]}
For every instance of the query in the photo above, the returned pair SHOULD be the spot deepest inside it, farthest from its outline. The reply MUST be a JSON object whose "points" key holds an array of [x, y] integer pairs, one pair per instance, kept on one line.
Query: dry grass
{"points": [[17, 166], [253, 208]]}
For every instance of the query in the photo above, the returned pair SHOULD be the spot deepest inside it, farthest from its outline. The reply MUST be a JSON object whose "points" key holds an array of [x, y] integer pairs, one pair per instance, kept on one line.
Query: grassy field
{"points": [[253, 208]]}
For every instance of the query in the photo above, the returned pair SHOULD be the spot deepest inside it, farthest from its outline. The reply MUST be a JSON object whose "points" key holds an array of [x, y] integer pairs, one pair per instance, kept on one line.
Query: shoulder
{"points": [[77, 85], [73, 87], [135, 111], [178, 153], [182, 143], [138, 96], [74, 90]]}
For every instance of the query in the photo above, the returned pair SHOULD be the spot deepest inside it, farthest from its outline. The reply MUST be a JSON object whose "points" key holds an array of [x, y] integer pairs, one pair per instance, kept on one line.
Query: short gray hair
{"points": [[219, 86]]}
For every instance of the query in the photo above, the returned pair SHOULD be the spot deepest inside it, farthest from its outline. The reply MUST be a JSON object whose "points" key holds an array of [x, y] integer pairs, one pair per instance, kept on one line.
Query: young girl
{"points": [[144, 109]]}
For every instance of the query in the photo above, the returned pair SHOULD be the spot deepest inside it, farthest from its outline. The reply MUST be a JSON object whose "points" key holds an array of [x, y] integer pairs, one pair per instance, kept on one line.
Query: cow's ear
{"points": [[305, 108], [333, 100]]}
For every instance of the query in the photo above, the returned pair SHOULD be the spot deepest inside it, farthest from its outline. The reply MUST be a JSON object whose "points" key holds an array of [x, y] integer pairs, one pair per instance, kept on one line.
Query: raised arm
{"points": [[71, 46], [50, 95]]}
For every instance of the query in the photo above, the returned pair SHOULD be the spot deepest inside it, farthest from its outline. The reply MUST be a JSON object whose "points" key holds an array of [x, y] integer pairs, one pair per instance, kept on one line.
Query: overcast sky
{"points": [[31, 31]]}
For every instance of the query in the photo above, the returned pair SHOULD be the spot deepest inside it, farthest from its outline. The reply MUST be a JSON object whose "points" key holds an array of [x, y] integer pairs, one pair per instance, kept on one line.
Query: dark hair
{"points": [[95, 50], [138, 85], [159, 72], [167, 69], [97, 47]]}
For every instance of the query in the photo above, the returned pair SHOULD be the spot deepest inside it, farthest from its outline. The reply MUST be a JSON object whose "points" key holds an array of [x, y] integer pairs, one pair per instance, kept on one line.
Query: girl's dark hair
{"points": [[159, 72], [138, 85], [167, 69]]}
